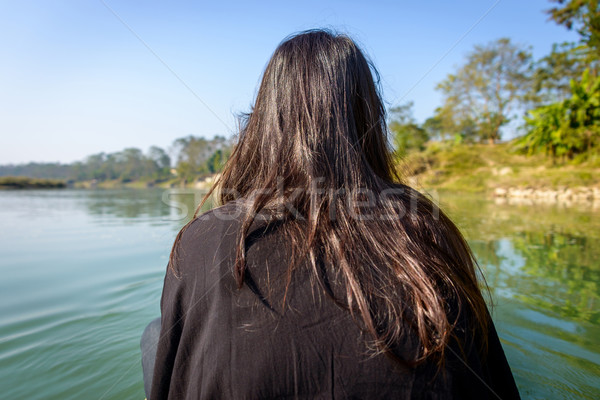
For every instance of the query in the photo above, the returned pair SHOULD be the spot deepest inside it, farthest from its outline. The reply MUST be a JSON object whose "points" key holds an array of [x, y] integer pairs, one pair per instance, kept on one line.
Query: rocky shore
{"points": [[565, 195]]}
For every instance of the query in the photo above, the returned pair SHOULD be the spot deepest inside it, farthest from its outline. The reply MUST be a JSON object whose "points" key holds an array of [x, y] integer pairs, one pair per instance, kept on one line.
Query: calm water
{"points": [[81, 274]]}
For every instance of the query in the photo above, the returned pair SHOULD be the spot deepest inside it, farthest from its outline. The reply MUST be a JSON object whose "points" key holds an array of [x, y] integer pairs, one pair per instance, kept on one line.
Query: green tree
{"points": [[568, 127], [486, 90], [407, 135], [450, 122], [553, 73], [192, 157], [194, 153], [94, 166], [216, 161], [161, 162], [434, 128], [131, 163], [584, 16]]}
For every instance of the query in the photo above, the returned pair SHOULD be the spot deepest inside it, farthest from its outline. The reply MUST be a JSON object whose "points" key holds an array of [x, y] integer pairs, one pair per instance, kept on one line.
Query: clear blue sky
{"points": [[74, 80]]}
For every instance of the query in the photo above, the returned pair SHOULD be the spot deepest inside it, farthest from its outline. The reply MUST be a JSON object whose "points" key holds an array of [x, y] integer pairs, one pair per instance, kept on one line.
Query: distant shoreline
{"points": [[22, 182], [494, 171]]}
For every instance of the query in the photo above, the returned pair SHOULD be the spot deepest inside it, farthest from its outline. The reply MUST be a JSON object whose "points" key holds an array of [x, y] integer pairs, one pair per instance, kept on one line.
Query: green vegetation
{"points": [[584, 16], [479, 98], [556, 100], [200, 157], [22, 182], [568, 127], [481, 167], [408, 136], [127, 165]]}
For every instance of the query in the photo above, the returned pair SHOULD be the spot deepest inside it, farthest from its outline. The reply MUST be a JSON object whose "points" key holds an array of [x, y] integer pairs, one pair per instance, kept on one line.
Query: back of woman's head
{"points": [[313, 151], [317, 115]]}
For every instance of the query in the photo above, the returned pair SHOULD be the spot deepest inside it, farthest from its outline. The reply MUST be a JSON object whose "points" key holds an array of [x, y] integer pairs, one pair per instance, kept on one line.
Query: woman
{"points": [[322, 276]]}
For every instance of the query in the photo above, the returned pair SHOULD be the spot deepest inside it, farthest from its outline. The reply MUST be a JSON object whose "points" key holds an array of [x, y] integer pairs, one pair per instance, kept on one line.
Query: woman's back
{"points": [[219, 341]]}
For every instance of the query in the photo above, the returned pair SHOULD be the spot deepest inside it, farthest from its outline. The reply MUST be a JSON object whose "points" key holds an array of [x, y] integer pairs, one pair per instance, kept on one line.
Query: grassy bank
{"points": [[22, 182], [483, 168]]}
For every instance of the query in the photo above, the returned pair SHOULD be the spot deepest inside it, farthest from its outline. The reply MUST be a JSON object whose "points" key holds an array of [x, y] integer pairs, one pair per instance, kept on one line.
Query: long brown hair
{"points": [[316, 142]]}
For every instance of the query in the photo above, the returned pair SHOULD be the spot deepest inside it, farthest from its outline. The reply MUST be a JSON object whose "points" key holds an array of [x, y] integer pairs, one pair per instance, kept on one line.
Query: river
{"points": [[81, 274]]}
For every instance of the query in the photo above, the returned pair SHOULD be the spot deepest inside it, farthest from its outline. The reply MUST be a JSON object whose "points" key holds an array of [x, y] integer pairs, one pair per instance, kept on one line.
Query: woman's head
{"points": [[317, 115], [315, 142]]}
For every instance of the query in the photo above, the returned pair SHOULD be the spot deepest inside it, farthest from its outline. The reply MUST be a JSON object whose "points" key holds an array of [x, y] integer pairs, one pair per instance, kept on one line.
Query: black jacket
{"points": [[218, 341]]}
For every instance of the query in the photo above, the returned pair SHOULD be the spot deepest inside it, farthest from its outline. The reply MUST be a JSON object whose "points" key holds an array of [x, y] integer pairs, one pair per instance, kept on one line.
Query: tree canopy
{"points": [[581, 15], [406, 134], [480, 97], [568, 127], [553, 73]]}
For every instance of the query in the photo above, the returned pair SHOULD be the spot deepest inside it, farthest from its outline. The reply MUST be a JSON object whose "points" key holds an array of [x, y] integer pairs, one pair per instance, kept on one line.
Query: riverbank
{"points": [[495, 170], [22, 182], [117, 184]]}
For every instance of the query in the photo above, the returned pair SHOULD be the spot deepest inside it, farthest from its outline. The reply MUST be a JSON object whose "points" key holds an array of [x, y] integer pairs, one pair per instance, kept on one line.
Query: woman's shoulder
{"points": [[213, 222], [208, 237]]}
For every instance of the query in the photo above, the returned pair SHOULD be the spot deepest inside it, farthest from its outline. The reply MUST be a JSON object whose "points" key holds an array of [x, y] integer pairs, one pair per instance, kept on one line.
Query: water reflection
{"points": [[127, 204], [175, 205], [542, 264], [548, 256]]}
